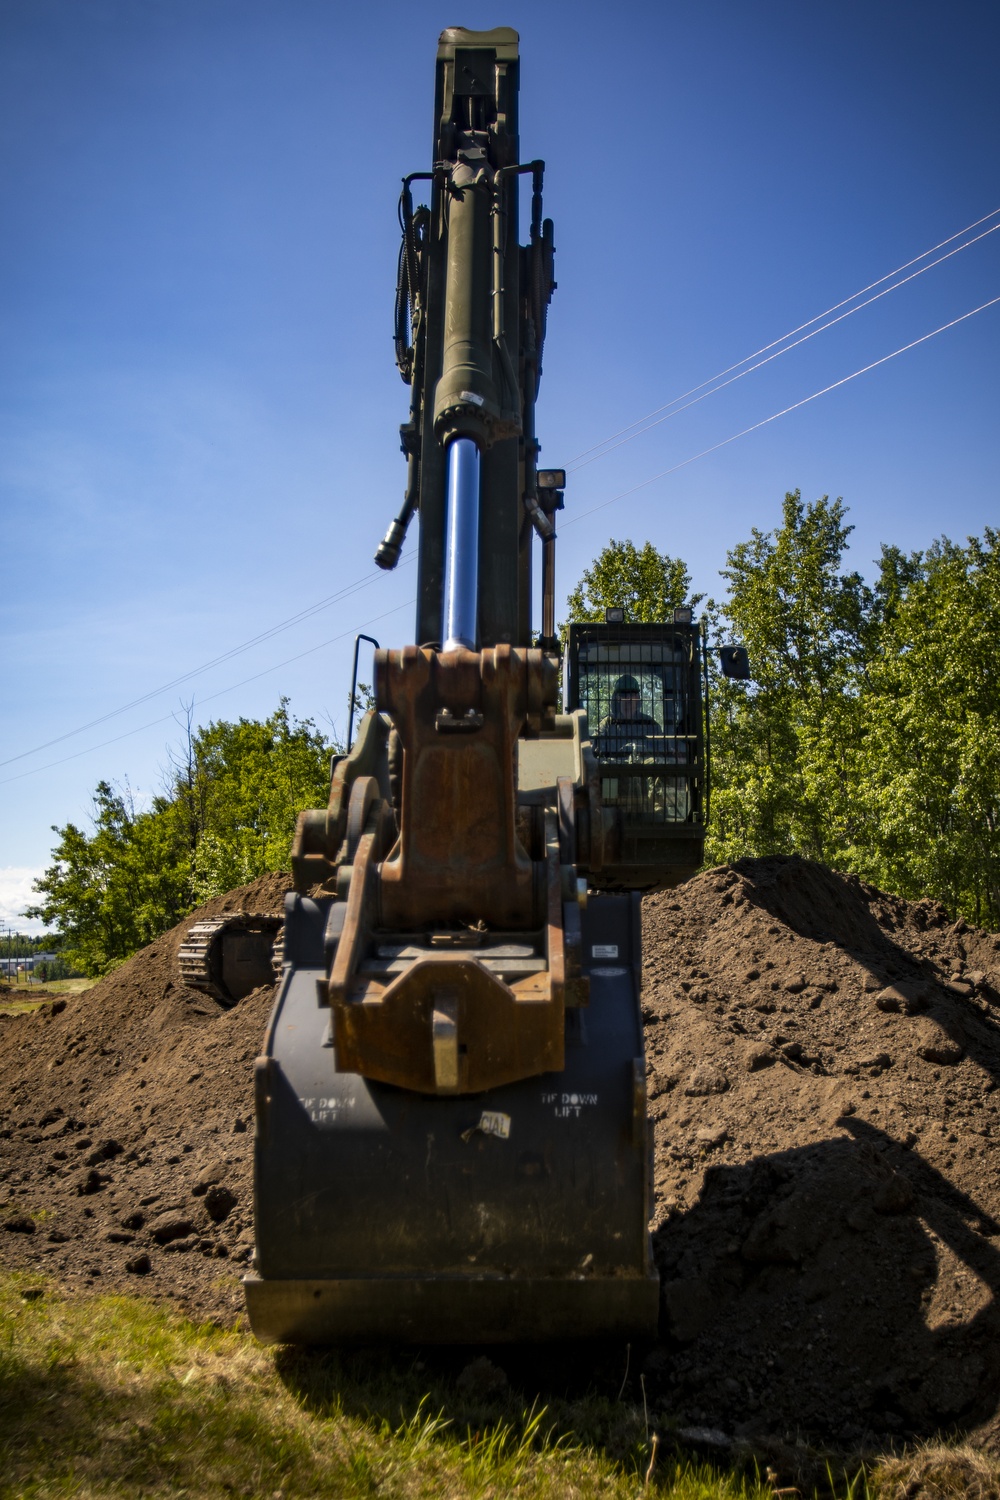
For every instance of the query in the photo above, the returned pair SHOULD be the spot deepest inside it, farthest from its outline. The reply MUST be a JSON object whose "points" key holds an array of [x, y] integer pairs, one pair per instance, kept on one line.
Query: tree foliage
{"points": [[242, 791], [869, 737], [648, 584], [114, 890], [227, 816], [930, 783], [785, 750]]}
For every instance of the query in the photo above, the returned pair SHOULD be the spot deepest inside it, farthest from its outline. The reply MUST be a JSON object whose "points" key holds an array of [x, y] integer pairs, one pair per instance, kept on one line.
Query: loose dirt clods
{"points": [[125, 1129], [823, 1064]]}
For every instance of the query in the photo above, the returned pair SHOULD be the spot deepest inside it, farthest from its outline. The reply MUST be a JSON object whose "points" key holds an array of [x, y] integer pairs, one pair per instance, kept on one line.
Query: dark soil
{"points": [[823, 1070], [126, 1127]]}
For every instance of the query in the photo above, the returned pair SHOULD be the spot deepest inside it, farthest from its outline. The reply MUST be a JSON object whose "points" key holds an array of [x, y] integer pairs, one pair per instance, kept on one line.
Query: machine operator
{"points": [[628, 734]]}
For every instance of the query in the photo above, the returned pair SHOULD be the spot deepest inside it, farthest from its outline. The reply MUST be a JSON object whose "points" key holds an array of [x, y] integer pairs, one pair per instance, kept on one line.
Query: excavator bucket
{"points": [[515, 1214]]}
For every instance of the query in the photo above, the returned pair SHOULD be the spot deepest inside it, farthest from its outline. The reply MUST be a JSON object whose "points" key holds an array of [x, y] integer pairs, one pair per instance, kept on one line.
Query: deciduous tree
{"points": [[647, 584], [249, 782], [228, 816], [785, 751], [930, 783], [112, 891]]}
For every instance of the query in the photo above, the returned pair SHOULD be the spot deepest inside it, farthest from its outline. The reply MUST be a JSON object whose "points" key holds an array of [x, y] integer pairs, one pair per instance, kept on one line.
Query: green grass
{"points": [[28, 996], [69, 986], [115, 1397], [13, 1004]]}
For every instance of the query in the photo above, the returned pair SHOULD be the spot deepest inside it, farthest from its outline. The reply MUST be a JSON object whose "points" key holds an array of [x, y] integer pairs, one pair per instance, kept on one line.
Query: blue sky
{"points": [[198, 402]]}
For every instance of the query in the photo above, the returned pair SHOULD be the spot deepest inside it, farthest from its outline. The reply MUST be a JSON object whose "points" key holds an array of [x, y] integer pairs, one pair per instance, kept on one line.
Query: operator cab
{"points": [[641, 689]]}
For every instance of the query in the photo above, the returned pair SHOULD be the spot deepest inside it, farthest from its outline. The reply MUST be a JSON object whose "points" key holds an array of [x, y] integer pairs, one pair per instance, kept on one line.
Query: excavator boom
{"points": [[451, 1132]]}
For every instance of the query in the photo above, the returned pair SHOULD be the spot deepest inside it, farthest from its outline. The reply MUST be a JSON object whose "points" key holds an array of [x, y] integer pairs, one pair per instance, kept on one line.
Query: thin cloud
{"points": [[15, 894]]}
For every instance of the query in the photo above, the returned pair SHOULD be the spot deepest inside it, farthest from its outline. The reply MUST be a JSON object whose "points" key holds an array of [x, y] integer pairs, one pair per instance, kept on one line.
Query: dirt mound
{"points": [[823, 1068], [125, 1128], [823, 1065]]}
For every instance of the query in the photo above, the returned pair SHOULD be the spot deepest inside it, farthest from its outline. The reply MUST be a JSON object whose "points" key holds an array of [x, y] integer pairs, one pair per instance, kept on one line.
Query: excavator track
{"points": [[227, 957]]}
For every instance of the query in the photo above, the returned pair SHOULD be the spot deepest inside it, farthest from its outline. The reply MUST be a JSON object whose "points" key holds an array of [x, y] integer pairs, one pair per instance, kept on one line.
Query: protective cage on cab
{"points": [[640, 686]]}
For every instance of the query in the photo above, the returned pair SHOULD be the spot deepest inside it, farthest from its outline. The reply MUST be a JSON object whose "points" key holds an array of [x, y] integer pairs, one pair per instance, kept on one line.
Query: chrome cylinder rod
{"points": [[461, 564]]}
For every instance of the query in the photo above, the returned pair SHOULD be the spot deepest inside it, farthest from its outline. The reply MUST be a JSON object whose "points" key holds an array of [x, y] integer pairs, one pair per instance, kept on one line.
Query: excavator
{"points": [[451, 1140]]}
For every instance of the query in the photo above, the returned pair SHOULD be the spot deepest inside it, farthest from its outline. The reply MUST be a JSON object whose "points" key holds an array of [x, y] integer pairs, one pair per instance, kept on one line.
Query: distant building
{"points": [[26, 964]]}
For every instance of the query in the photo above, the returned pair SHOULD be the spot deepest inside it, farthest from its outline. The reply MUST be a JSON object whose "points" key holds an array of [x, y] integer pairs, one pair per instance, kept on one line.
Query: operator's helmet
{"points": [[626, 685]]}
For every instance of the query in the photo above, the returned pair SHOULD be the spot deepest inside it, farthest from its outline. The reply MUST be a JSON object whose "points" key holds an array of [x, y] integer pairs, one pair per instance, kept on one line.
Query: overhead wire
{"points": [[165, 718], [755, 426], [626, 434], [657, 420], [234, 651], [581, 458], [714, 448]]}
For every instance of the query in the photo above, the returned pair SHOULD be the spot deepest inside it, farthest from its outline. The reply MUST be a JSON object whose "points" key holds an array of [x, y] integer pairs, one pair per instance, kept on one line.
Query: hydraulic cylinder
{"points": [[461, 568]]}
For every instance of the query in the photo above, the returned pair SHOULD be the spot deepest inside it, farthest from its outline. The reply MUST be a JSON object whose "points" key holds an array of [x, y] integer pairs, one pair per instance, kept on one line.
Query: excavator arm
{"points": [[451, 1132]]}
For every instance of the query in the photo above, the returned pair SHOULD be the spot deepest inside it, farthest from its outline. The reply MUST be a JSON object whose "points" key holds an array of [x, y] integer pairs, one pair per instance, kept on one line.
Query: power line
{"points": [[165, 718], [783, 413], [590, 455], [583, 457], [265, 635], [656, 420], [754, 427]]}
